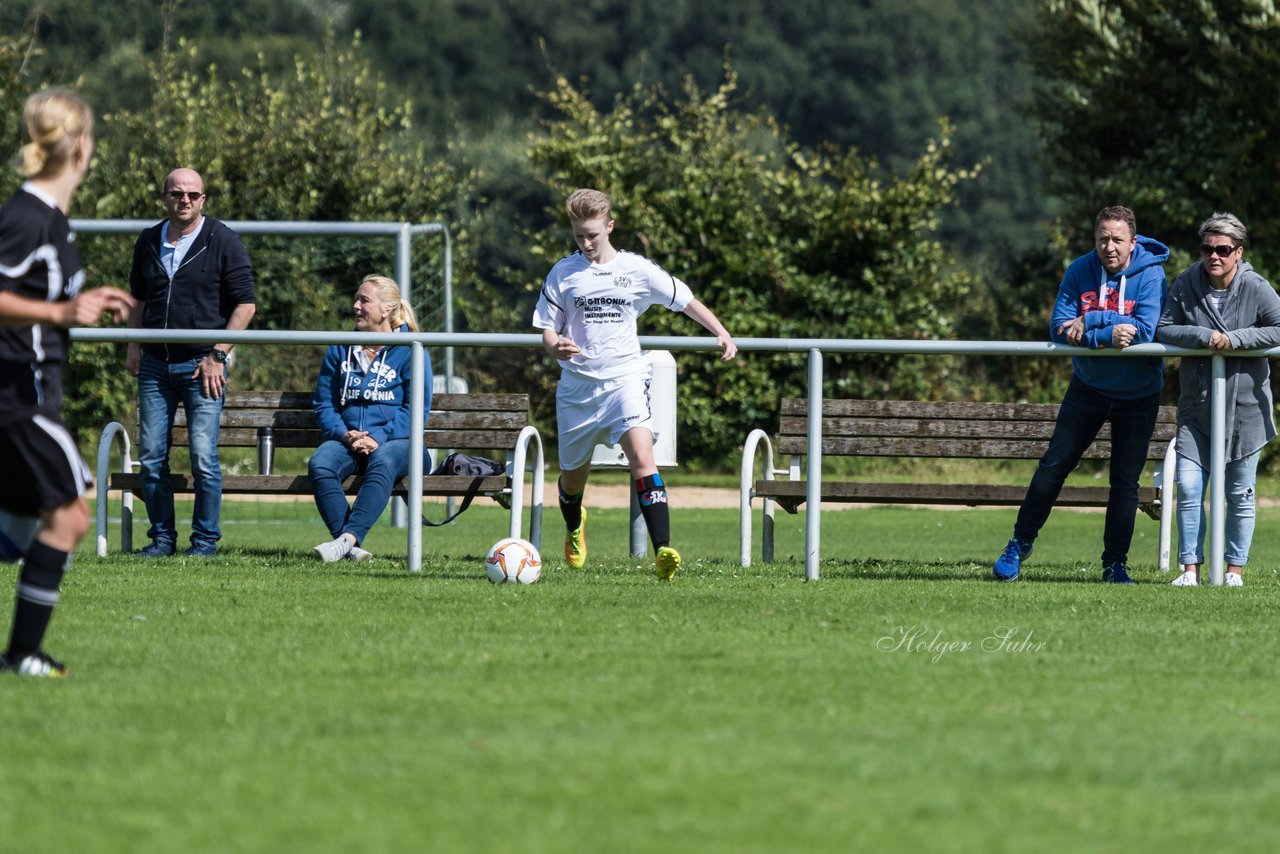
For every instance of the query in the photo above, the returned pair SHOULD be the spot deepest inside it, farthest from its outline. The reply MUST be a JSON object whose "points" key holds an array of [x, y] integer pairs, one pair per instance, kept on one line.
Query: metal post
{"points": [[404, 276], [639, 531], [448, 303], [399, 511], [813, 490], [1218, 470], [404, 257], [417, 397]]}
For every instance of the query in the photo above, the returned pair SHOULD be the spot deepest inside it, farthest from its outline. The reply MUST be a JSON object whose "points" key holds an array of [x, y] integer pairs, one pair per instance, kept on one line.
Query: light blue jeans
{"points": [[333, 462], [1240, 478], [161, 387]]}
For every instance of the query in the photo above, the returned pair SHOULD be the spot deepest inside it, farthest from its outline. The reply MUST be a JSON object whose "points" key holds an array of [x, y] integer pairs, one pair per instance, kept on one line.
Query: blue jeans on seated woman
{"points": [[1240, 478], [333, 462], [1081, 417]]}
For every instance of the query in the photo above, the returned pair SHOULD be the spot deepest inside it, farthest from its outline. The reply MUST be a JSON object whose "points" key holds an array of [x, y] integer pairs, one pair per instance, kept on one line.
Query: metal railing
{"points": [[814, 347], [403, 232]]}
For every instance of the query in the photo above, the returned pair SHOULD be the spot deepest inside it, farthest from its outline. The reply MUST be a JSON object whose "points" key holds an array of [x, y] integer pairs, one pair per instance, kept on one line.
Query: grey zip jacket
{"points": [[1250, 317]]}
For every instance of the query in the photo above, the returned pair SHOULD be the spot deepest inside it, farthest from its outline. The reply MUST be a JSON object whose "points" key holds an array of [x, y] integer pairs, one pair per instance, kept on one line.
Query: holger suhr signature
{"points": [[935, 643]]}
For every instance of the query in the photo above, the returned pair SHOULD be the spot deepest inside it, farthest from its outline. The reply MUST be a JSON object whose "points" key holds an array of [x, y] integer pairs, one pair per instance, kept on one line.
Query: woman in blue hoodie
{"points": [[1110, 297], [362, 408]]}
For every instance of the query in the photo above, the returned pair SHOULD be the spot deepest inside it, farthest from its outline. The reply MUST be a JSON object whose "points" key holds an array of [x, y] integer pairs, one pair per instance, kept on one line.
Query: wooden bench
{"points": [[898, 428], [268, 420]]}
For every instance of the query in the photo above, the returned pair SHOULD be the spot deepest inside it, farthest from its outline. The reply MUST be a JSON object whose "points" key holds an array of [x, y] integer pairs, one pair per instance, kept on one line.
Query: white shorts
{"points": [[598, 412]]}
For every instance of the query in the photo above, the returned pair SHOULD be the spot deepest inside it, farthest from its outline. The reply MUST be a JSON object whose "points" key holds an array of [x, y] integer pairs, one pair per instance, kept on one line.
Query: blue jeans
{"points": [[1080, 418], [333, 462], [1240, 477], [161, 386]]}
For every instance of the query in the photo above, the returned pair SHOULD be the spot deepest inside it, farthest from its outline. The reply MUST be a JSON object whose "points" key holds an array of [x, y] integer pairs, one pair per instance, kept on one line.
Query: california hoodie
{"points": [[1133, 296], [374, 400]]}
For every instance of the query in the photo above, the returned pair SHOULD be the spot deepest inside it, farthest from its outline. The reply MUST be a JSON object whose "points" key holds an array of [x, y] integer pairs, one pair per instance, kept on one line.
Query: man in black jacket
{"points": [[189, 272]]}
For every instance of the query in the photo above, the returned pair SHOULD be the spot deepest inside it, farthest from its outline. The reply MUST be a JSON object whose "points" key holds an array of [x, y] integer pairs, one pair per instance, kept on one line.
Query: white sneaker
{"points": [[1234, 579], [1186, 579], [358, 554], [334, 550]]}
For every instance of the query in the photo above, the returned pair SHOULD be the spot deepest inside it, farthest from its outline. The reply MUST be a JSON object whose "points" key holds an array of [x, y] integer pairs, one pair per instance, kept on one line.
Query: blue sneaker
{"points": [[1116, 573], [157, 549], [201, 550], [1009, 565]]}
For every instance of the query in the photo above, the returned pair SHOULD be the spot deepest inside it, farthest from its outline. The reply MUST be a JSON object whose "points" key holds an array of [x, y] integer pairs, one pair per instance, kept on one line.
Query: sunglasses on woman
{"points": [[1221, 251]]}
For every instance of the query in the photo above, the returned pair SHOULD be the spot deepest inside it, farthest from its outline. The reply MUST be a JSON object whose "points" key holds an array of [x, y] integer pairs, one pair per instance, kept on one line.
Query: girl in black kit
{"points": [[43, 515]]}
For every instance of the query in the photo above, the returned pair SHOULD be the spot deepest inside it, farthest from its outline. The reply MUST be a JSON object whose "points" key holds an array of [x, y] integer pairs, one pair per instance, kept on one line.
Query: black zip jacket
{"points": [[214, 278]]}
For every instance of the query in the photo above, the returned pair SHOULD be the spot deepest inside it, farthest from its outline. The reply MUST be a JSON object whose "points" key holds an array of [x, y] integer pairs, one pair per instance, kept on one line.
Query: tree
{"points": [[779, 240], [16, 52], [870, 74], [104, 50], [1165, 108]]}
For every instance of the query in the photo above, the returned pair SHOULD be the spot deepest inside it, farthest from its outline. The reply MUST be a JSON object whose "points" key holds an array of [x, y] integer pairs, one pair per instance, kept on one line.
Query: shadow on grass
{"points": [[907, 570]]}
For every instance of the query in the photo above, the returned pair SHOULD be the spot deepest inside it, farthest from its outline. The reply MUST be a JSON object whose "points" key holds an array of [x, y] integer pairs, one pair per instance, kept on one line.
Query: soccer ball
{"points": [[16, 534], [513, 561]]}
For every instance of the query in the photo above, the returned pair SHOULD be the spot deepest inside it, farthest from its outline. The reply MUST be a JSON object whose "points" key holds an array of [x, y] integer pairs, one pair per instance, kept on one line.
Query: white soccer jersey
{"points": [[596, 306]]}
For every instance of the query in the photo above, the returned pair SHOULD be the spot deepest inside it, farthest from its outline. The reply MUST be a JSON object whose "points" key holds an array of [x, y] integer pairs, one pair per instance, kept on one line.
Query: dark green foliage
{"points": [[15, 56], [104, 48], [1164, 108], [870, 74]]}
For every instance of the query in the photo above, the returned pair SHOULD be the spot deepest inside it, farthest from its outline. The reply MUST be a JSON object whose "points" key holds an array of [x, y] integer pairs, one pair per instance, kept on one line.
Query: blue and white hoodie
{"points": [[1134, 296], [371, 395]]}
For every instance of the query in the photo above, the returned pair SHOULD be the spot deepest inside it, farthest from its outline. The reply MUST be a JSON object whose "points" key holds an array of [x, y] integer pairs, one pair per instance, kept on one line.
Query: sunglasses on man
{"points": [[190, 195]]}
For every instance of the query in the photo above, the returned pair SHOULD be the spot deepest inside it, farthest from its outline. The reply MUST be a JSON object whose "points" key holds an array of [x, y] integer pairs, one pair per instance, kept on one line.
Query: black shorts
{"points": [[40, 467]]}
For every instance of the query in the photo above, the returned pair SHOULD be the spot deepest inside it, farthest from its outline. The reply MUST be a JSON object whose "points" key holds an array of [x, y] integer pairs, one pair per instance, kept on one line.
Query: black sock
{"points": [[42, 571], [653, 506], [570, 507]]}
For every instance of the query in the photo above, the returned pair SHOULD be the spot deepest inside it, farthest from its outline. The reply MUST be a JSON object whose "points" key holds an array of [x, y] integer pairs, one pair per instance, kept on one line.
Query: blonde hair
{"points": [[55, 121], [389, 295], [588, 204]]}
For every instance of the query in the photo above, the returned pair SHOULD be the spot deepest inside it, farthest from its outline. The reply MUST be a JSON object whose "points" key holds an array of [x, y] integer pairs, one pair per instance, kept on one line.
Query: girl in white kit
{"points": [[587, 313]]}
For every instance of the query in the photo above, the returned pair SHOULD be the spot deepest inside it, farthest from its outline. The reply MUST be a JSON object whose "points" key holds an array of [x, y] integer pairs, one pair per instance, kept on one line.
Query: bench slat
{"points": [[967, 410], [249, 399], [472, 439], [943, 428], [965, 494], [300, 484], [976, 449], [247, 437], [306, 420]]}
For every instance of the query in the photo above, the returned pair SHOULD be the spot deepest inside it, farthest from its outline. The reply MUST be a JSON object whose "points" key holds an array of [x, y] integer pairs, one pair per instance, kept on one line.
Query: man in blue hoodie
{"points": [[1110, 297]]}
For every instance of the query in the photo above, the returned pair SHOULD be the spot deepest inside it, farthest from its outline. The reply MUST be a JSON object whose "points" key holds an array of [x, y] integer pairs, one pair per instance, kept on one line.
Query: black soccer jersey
{"points": [[38, 260]]}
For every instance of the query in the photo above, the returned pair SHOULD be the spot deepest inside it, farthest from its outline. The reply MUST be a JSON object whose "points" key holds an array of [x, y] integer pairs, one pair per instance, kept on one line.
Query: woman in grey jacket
{"points": [[1222, 304]]}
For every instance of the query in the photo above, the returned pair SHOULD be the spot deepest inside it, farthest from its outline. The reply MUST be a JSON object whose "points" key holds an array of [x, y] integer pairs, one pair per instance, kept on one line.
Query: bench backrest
{"points": [[905, 428], [470, 421]]}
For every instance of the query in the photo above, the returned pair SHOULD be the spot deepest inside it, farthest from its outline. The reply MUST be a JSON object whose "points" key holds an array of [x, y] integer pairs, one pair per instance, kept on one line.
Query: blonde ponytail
{"points": [[403, 313], [55, 121], [31, 160]]}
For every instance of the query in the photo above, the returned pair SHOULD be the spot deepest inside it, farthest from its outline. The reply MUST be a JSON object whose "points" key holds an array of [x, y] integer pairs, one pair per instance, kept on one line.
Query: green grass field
{"points": [[261, 701]]}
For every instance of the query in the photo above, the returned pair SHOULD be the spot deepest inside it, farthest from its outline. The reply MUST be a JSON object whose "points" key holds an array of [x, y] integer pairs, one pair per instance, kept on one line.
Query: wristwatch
{"points": [[219, 356]]}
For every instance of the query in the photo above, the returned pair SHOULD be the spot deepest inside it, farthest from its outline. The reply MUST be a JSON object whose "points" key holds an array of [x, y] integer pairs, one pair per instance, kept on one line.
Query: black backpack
{"points": [[465, 465]]}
